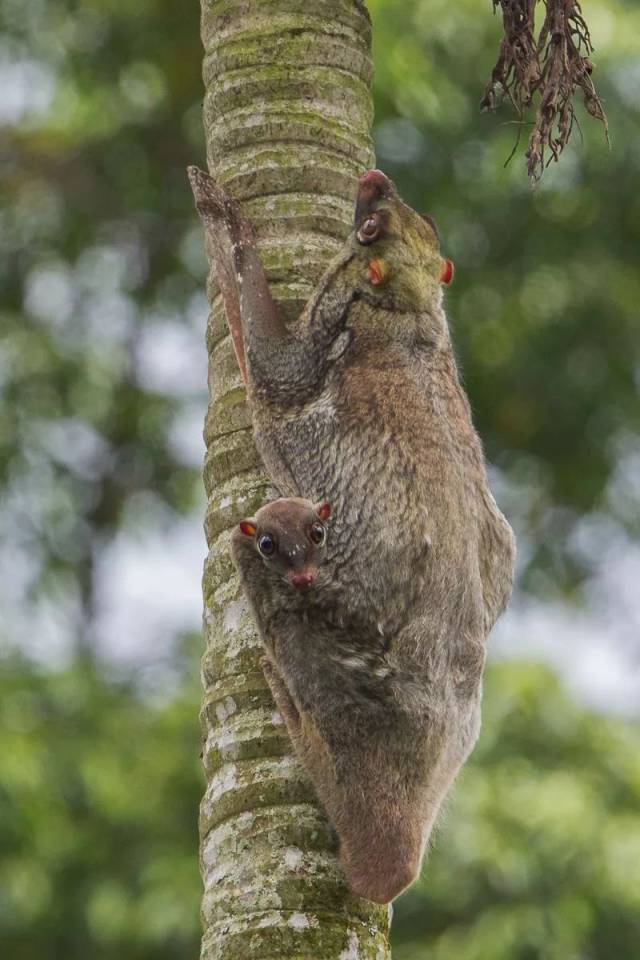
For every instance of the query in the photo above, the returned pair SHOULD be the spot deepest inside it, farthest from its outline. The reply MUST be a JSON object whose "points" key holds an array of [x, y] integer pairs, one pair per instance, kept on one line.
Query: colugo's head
{"points": [[290, 535], [399, 248]]}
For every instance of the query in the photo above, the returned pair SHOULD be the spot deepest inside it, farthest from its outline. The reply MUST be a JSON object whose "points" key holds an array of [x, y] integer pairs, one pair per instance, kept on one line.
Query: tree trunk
{"points": [[287, 113]]}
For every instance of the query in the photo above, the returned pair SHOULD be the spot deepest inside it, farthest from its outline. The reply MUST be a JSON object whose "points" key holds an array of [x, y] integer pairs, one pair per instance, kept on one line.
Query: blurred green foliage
{"points": [[102, 376], [101, 269], [537, 857], [99, 792]]}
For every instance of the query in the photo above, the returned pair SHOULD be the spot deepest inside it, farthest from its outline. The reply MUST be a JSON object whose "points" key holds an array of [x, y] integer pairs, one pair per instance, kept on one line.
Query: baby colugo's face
{"points": [[290, 536]]}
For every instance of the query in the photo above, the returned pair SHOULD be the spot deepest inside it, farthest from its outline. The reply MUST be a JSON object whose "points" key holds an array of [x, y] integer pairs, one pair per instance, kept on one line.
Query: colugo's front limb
{"points": [[243, 282], [271, 357]]}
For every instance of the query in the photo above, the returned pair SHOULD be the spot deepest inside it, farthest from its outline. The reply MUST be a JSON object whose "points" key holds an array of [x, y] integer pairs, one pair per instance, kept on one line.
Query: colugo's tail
{"points": [[384, 860], [383, 799]]}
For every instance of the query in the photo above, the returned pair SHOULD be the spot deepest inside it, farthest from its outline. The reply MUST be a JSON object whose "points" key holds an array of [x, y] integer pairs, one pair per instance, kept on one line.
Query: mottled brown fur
{"points": [[378, 668]]}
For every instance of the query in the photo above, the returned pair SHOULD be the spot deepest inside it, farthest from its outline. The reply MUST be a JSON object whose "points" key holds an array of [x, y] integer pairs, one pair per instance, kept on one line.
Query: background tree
{"points": [[102, 319], [287, 112]]}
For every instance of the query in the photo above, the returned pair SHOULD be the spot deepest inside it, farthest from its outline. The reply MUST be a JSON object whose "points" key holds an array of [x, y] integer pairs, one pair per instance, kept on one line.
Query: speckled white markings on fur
{"points": [[357, 663]]}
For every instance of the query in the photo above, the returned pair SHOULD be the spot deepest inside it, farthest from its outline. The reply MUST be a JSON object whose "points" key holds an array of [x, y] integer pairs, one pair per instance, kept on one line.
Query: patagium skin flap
{"points": [[377, 665]]}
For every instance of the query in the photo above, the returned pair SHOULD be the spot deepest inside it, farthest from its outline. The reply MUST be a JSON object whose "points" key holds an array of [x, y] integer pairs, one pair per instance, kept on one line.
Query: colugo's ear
{"points": [[248, 527], [378, 272], [323, 510], [447, 272]]}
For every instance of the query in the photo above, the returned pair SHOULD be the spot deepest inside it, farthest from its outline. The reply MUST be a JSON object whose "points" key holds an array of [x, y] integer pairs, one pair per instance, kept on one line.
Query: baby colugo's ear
{"points": [[249, 527], [323, 510]]}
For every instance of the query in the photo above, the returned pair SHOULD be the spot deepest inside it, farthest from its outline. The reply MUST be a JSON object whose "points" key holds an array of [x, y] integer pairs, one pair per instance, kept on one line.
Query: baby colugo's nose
{"points": [[303, 580]]}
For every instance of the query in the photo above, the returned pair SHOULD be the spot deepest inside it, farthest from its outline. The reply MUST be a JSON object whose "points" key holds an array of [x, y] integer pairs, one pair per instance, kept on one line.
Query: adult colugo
{"points": [[377, 668]]}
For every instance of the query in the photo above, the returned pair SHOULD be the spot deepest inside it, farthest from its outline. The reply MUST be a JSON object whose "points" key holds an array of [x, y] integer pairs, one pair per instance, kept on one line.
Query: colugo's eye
{"points": [[266, 545], [369, 229], [317, 533]]}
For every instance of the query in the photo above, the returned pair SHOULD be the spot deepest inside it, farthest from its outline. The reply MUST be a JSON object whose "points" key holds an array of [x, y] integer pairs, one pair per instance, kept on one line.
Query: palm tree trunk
{"points": [[287, 114]]}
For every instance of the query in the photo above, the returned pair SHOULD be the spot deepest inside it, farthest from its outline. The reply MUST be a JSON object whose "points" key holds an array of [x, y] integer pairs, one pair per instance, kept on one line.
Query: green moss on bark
{"points": [[287, 115]]}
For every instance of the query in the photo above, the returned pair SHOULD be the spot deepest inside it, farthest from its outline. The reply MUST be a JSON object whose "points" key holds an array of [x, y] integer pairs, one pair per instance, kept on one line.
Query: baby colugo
{"points": [[279, 554], [289, 534]]}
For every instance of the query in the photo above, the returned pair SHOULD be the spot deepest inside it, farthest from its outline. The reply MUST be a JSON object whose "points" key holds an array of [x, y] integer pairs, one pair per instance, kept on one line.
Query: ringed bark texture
{"points": [[287, 114]]}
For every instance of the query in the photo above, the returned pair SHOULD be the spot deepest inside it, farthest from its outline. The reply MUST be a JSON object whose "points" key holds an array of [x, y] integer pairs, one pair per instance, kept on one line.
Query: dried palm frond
{"points": [[551, 69]]}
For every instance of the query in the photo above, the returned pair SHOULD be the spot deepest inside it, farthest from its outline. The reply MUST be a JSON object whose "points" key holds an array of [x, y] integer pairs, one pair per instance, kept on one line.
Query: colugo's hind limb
{"points": [[272, 359]]}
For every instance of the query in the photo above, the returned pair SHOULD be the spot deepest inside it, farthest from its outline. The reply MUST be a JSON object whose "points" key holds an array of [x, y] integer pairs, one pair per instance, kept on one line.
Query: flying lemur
{"points": [[377, 664]]}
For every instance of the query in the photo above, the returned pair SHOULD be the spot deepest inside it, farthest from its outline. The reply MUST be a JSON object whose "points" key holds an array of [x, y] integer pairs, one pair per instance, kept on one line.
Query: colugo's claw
{"points": [[214, 204], [224, 228], [209, 196]]}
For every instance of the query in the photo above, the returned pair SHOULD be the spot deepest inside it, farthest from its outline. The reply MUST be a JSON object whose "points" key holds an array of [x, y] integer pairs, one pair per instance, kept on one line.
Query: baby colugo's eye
{"points": [[317, 533], [266, 545], [369, 229]]}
